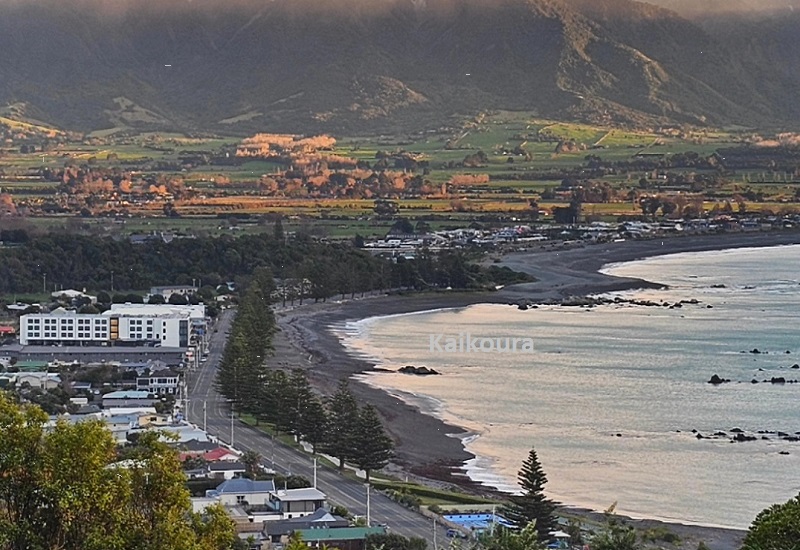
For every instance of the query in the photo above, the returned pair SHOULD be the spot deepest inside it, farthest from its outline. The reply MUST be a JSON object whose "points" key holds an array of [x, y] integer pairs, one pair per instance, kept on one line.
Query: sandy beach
{"points": [[428, 448]]}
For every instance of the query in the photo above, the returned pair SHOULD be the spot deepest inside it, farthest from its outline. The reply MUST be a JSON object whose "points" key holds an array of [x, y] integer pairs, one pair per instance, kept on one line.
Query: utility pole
{"points": [[205, 418], [435, 547], [231, 425], [368, 517], [44, 283], [315, 472]]}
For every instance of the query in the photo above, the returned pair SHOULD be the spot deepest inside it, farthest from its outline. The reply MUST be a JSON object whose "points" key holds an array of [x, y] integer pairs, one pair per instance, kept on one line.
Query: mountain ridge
{"points": [[353, 66]]}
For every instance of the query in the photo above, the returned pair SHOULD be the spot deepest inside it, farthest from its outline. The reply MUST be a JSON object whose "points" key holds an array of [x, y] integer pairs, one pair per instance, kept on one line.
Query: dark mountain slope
{"points": [[345, 66]]}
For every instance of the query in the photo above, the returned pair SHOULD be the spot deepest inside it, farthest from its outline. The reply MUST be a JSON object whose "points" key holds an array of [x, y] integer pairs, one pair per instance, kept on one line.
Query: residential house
{"points": [[129, 398], [226, 470], [195, 447], [221, 454], [279, 532], [243, 491], [154, 420], [163, 382], [40, 380], [294, 503], [345, 538]]}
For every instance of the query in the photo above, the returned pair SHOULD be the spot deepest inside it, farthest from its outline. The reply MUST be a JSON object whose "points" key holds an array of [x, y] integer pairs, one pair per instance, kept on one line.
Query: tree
{"points": [[373, 447], [776, 528], [503, 538], [252, 463], [278, 230], [616, 535], [177, 299], [532, 504], [393, 541], [61, 489], [313, 423], [342, 422], [156, 299]]}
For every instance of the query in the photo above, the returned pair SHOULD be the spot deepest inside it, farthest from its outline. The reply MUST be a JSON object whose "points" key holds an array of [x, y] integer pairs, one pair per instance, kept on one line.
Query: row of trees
{"points": [[337, 426], [62, 488], [73, 261]]}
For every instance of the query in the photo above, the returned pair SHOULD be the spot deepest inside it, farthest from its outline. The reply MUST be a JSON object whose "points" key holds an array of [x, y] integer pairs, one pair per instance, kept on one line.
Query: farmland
{"points": [[496, 167]]}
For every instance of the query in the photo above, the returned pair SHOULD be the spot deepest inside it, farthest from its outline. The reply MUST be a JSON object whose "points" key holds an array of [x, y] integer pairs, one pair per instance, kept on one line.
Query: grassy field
{"points": [[514, 179]]}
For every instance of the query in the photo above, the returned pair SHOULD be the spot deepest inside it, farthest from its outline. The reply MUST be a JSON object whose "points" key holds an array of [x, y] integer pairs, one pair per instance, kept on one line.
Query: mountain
{"points": [[706, 8], [377, 66]]}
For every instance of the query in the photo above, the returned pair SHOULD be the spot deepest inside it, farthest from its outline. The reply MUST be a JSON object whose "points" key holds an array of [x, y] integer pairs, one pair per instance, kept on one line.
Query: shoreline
{"points": [[432, 449]]}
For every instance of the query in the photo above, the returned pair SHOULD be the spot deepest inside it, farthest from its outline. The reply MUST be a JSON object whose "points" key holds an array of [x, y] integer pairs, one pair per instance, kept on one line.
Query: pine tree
{"points": [[374, 448], [342, 424], [532, 504], [313, 423]]}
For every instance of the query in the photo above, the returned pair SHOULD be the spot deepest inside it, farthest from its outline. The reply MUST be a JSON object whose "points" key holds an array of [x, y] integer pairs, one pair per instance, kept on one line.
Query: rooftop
{"points": [[245, 486], [307, 493], [342, 533], [127, 394]]}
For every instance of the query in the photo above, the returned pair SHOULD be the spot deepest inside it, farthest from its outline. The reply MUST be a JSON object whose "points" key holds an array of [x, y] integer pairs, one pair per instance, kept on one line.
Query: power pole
{"points": [[435, 547], [315, 472], [231, 425], [205, 417], [368, 517]]}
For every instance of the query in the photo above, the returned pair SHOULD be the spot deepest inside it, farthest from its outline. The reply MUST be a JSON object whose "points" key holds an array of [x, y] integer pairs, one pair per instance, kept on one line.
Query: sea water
{"points": [[613, 397]]}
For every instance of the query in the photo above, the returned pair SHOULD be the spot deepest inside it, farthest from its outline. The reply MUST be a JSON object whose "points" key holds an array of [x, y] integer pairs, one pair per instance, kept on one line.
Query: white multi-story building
{"points": [[168, 326]]}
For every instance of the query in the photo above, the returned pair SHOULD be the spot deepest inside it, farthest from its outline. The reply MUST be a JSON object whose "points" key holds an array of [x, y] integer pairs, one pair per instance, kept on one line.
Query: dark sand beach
{"points": [[429, 448]]}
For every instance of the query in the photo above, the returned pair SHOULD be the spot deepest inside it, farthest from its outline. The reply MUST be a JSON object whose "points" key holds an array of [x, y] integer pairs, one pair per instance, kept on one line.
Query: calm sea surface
{"points": [[611, 395]]}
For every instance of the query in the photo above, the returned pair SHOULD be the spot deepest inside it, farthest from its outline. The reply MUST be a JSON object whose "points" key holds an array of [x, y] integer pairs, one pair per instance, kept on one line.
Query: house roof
{"points": [[306, 493], [164, 373], [197, 446], [7, 330], [226, 467], [343, 533], [218, 454], [245, 486], [320, 518], [127, 394]]}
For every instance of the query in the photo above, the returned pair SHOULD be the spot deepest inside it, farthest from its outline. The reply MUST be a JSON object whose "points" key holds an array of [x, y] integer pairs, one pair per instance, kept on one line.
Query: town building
{"points": [[123, 324], [163, 382], [166, 292]]}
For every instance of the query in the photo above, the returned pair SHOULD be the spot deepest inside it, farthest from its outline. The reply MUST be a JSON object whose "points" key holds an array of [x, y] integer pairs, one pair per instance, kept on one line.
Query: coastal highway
{"points": [[286, 460]]}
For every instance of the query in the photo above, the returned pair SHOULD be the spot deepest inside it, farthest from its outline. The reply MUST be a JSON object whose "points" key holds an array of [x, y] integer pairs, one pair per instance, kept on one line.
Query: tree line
{"points": [[329, 269], [337, 426]]}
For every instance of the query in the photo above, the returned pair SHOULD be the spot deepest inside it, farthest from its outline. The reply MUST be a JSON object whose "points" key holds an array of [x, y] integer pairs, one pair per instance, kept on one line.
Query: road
{"points": [[283, 459]]}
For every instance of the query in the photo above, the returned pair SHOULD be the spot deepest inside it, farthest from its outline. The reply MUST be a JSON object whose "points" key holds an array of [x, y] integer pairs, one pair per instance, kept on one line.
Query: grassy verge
{"points": [[429, 496]]}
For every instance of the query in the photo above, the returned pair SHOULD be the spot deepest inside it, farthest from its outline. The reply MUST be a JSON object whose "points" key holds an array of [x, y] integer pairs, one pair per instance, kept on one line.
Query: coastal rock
{"points": [[778, 380], [716, 380], [740, 438], [783, 452], [419, 371], [755, 351], [718, 286], [796, 366]]}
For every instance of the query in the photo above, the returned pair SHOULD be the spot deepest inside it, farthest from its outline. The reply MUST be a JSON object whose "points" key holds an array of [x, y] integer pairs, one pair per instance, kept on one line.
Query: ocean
{"points": [[613, 397]]}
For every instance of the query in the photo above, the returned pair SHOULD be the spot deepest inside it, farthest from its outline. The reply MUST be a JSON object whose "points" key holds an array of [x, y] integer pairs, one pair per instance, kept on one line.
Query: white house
{"points": [[161, 382], [71, 295], [226, 469], [128, 399], [40, 380], [296, 503], [239, 491]]}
